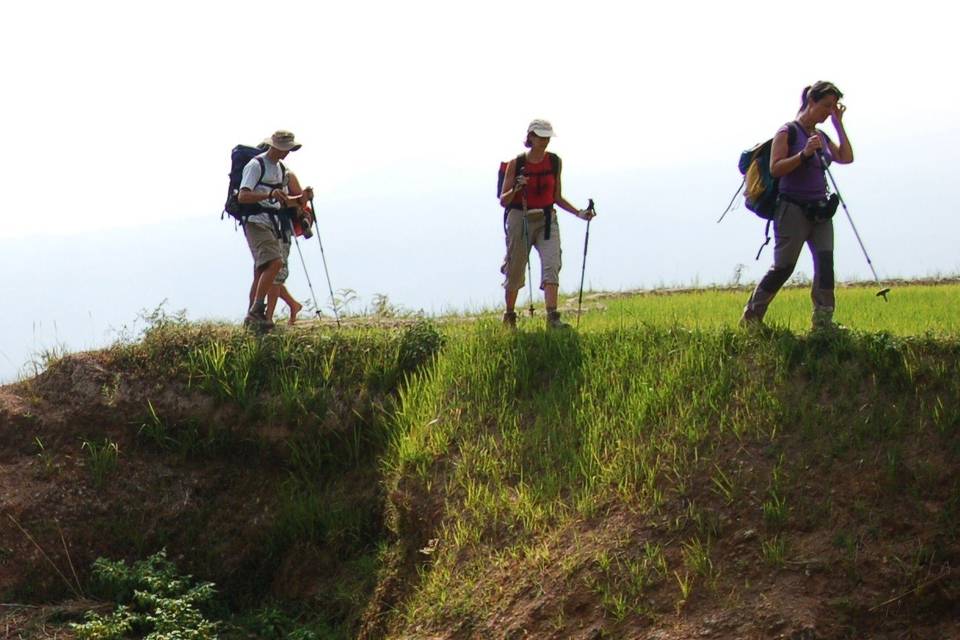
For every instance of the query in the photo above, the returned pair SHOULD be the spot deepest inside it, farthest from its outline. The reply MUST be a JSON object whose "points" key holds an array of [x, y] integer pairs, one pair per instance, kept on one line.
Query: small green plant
{"points": [[419, 343], [154, 429], [616, 605], [153, 602], [102, 459], [158, 319], [603, 560], [342, 299], [696, 557], [225, 370], [724, 486], [849, 545], [45, 456], [381, 307], [774, 551], [775, 511], [654, 559], [44, 359], [686, 588]]}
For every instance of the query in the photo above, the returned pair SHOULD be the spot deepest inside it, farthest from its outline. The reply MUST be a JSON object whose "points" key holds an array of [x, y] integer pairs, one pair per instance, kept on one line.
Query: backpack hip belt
{"points": [[534, 214]]}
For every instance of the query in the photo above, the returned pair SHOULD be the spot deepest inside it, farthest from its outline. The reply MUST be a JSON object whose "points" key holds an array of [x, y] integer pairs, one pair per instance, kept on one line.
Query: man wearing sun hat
{"points": [[266, 183]]}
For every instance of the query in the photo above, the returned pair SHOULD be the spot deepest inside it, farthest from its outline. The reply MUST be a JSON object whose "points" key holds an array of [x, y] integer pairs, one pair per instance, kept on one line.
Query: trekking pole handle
{"points": [[589, 212]]}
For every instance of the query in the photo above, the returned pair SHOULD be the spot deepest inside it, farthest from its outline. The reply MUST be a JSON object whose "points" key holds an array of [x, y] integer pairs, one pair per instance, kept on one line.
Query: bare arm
{"points": [[561, 201], [249, 196], [564, 204], [511, 184], [842, 153], [294, 188], [299, 197], [780, 163], [246, 196]]}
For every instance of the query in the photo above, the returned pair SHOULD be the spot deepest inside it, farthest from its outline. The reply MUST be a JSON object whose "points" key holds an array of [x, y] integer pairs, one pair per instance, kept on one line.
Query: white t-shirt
{"points": [[252, 180]]}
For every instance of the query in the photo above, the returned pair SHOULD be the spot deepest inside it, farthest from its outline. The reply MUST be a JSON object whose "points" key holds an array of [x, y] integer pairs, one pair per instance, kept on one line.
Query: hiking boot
{"points": [[822, 320], [257, 320], [751, 319], [554, 322], [510, 319]]}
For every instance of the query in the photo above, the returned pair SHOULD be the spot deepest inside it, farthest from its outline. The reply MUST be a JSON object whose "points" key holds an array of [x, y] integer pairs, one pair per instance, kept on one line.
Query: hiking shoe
{"points": [[257, 320], [554, 321], [751, 319], [822, 320], [828, 327], [510, 319]]}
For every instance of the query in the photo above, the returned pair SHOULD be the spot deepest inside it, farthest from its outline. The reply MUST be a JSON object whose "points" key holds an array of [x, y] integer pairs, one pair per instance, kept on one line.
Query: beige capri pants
{"points": [[518, 251]]}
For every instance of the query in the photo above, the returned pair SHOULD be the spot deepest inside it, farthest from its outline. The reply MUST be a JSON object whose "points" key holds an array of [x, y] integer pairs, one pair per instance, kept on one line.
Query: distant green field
{"points": [[913, 309]]}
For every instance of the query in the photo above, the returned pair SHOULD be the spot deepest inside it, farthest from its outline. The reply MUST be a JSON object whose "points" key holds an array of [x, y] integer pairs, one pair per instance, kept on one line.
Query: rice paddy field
{"points": [[911, 309]]}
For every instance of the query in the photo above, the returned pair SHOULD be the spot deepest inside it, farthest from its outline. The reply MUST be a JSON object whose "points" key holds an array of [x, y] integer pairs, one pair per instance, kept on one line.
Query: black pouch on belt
{"points": [[825, 209], [822, 209]]}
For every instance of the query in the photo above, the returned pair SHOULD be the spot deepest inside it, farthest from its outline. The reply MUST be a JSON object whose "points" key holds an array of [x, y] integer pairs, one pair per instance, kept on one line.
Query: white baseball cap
{"points": [[542, 128]]}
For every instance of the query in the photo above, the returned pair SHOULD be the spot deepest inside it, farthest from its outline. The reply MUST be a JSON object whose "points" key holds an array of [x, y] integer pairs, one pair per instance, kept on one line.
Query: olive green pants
{"points": [[792, 229]]}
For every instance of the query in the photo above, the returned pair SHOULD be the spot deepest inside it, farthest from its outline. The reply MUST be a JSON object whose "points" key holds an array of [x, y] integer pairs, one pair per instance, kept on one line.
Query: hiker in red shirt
{"points": [[530, 194]]}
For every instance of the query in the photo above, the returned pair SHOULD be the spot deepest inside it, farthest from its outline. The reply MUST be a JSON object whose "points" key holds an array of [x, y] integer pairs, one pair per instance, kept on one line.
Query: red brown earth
{"points": [[877, 571]]}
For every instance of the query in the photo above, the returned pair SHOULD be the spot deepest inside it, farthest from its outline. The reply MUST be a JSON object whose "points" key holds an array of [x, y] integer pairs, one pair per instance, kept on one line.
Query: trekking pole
{"points": [[333, 301], [730, 205], [583, 269], [316, 307], [883, 290], [526, 239]]}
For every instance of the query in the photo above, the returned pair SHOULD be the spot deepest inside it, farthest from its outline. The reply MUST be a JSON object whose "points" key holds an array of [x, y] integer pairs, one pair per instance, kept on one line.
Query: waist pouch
{"points": [[815, 210]]}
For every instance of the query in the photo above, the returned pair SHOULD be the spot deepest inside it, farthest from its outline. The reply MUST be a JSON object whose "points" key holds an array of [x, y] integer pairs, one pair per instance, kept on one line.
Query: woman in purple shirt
{"points": [[799, 157]]}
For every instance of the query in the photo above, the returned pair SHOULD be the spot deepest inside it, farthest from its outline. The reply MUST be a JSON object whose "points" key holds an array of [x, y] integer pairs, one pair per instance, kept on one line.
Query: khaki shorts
{"points": [[263, 242], [284, 272], [518, 250]]}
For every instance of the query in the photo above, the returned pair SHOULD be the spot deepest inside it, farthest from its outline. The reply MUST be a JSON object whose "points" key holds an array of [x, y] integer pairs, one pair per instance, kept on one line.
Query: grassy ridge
{"points": [[524, 437], [289, 443], [656, 461]]}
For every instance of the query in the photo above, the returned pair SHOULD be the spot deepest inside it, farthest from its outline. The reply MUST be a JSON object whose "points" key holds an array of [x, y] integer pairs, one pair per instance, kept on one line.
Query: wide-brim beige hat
{"points": [[542, 128], [283, 140]]}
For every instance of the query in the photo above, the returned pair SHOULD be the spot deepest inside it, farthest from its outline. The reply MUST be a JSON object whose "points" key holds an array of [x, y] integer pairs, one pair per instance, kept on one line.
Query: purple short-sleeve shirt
{"points": [[807, 182]]}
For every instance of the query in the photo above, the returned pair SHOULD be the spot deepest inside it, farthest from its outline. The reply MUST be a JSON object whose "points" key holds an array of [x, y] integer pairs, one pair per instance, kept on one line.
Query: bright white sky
{"points": [[121, 115]]}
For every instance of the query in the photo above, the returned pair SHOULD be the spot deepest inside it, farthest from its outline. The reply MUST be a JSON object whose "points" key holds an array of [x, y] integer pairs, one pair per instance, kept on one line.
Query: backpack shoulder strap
{"points": [[555, 163], [519, 163], [263, 172], [791, 133], [263, 169]]}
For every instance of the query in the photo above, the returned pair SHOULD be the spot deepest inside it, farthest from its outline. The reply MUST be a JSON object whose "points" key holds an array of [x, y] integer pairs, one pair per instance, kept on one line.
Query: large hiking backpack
{"points": [[760, 189], [239, 158]]}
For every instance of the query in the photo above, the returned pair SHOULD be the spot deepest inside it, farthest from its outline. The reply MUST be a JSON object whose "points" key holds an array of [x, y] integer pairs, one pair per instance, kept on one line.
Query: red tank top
{"points": [[541, 182]]}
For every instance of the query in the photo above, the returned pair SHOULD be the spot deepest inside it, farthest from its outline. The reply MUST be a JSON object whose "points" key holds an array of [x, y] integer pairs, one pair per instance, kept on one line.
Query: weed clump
{"points": [[152, 601], [419, 343]]}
